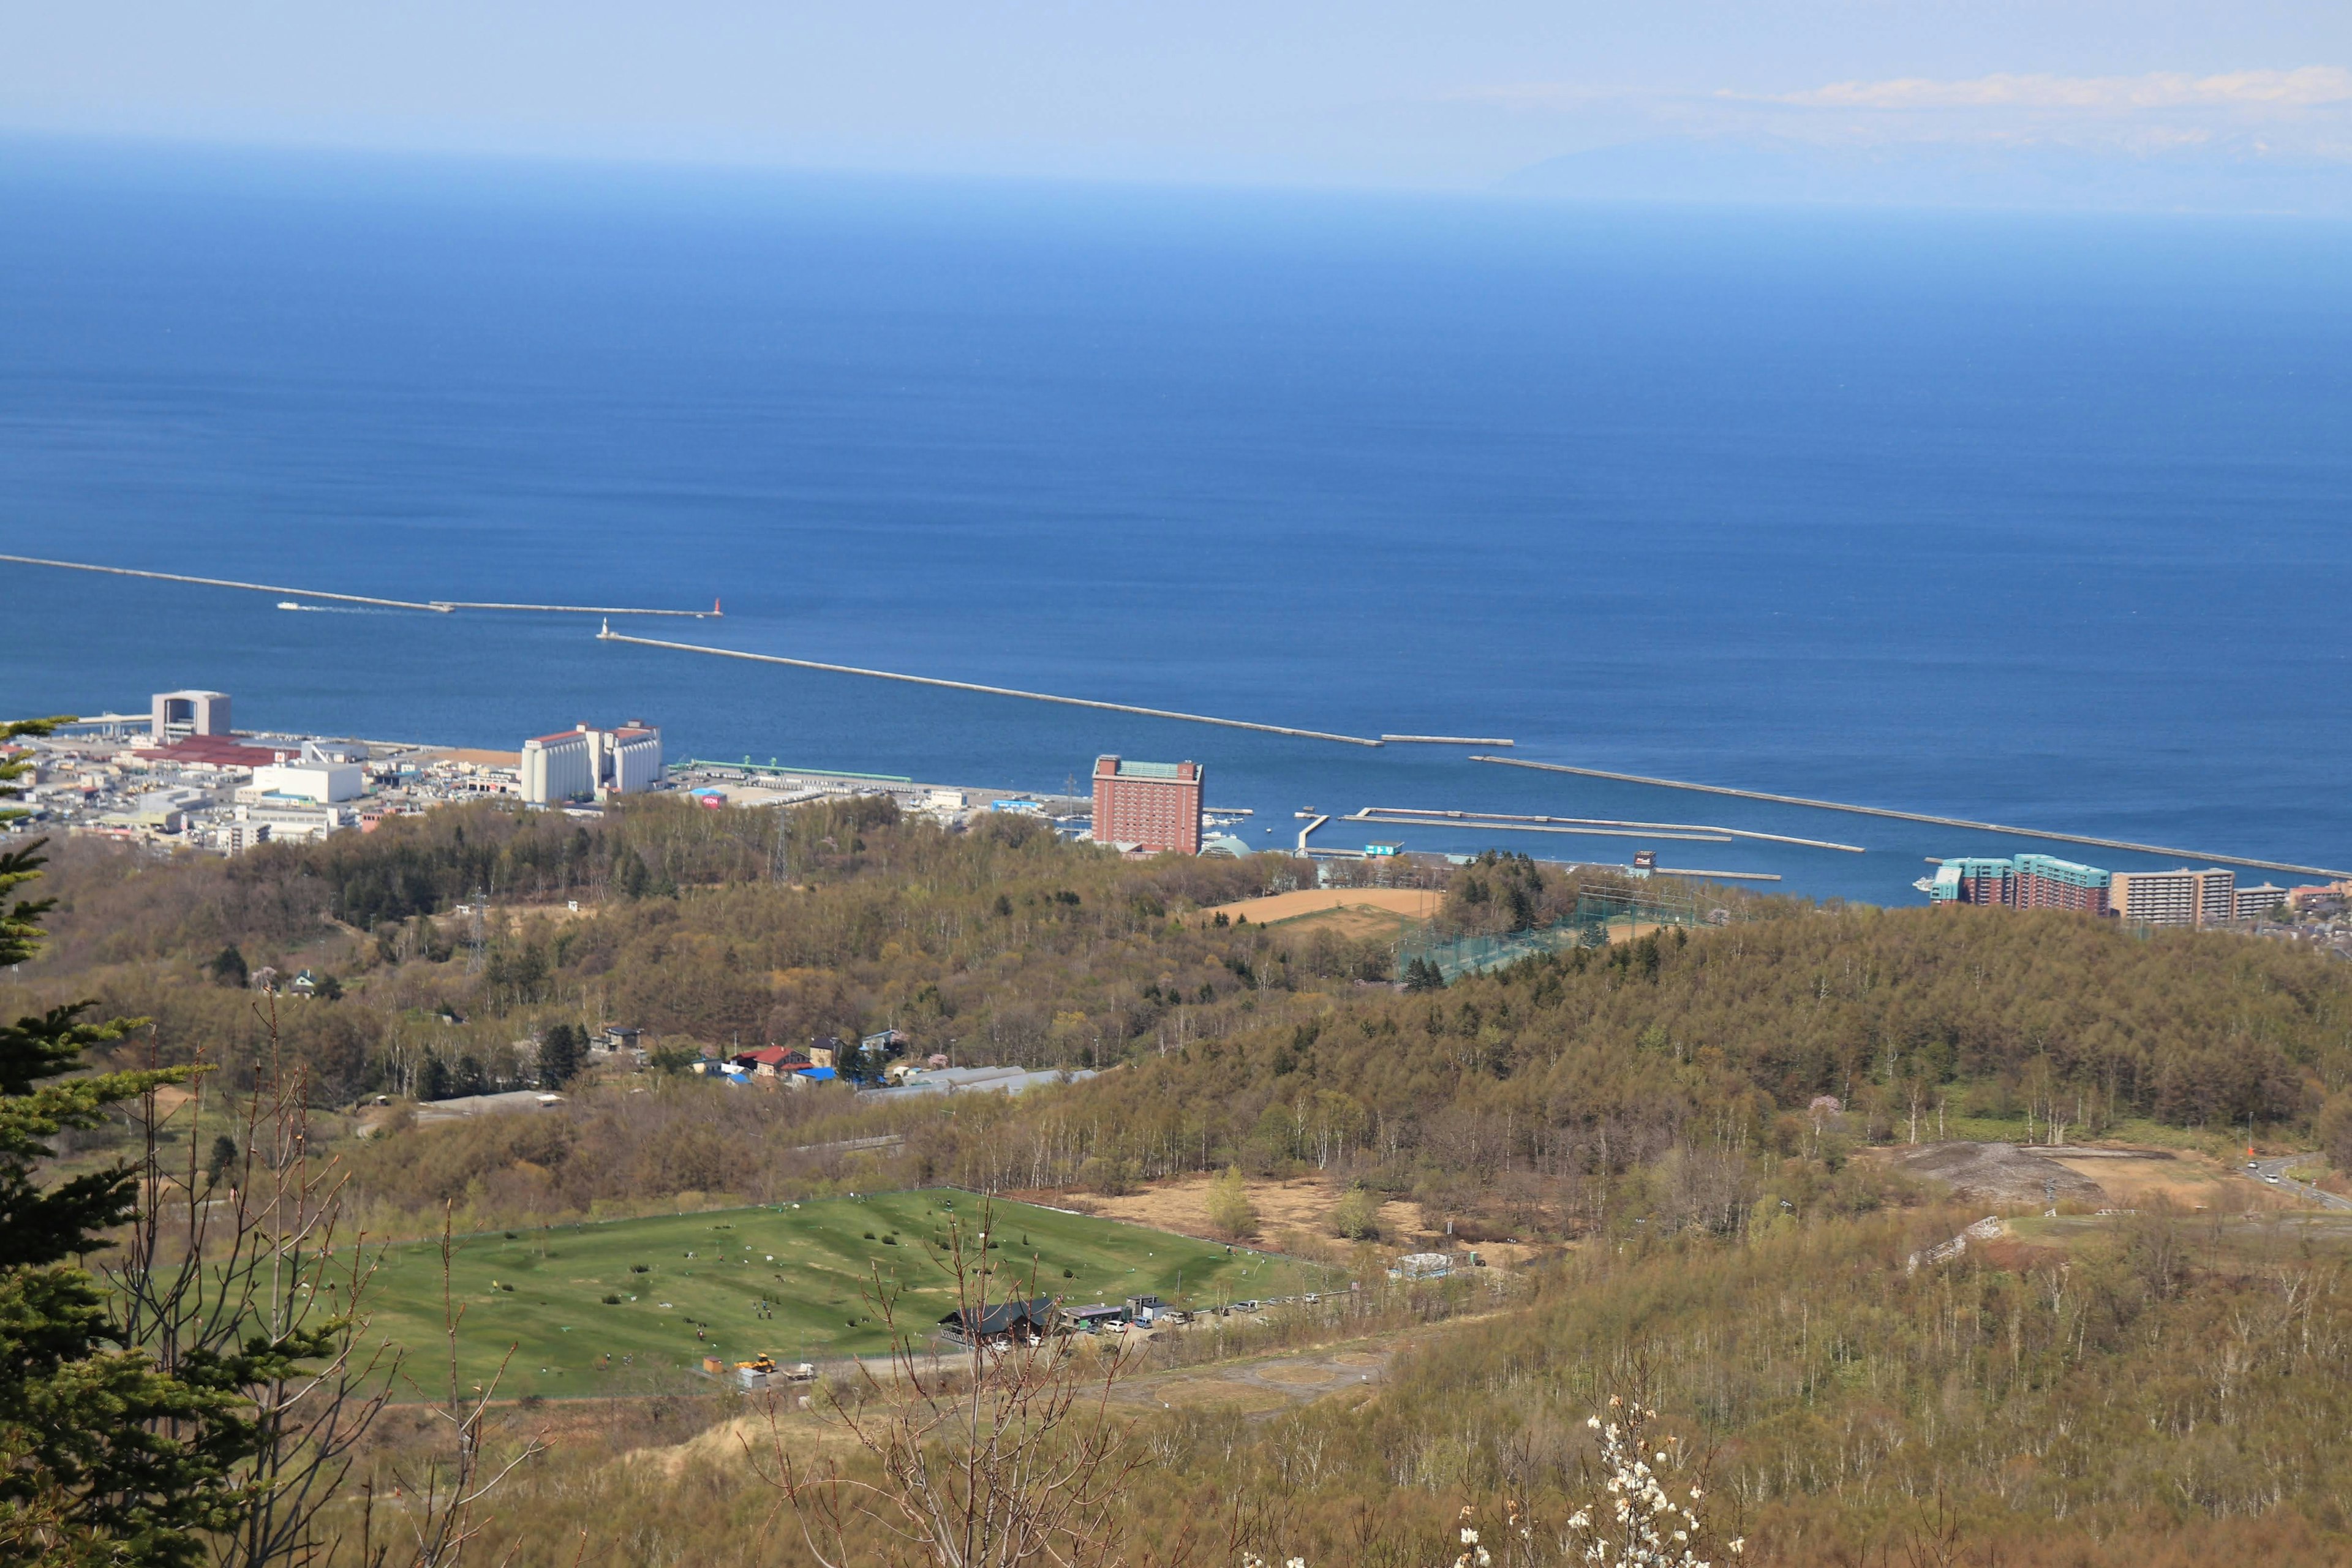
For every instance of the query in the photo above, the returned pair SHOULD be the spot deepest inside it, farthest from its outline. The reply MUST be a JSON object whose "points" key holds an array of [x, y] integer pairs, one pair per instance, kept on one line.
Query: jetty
{"points": [[608, 635], [375, 601], [1920, 817]]}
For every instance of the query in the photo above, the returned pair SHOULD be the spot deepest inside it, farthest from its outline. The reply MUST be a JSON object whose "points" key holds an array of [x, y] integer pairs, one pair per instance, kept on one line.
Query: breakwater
{"points": [[437, 606], [609, 634], [1919, 817]]}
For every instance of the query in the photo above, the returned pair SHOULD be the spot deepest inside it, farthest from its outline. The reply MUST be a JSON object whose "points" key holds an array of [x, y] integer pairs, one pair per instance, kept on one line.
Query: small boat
{"points": [[287, 605]]}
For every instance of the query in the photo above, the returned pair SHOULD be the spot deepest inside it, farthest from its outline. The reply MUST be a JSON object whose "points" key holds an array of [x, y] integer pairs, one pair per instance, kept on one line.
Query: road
{"points": [[2278, 1166]]}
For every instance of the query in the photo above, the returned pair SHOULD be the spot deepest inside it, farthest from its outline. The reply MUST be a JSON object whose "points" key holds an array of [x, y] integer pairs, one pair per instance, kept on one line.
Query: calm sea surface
{"points": [[2044, 522]]}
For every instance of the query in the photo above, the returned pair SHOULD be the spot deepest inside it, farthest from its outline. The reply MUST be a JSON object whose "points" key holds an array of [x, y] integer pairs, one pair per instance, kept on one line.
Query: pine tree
{"points": [[435, 1084], [228, 969], [559, 1054], [102, 1457]]}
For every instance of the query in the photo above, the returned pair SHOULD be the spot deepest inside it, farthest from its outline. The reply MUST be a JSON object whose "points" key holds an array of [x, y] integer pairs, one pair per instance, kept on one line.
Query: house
{"points": [[770, 1061], [889, 1042], [619, 1038], [825, 1051], [1003, 1323], [303, 984], [1146, 1309]]}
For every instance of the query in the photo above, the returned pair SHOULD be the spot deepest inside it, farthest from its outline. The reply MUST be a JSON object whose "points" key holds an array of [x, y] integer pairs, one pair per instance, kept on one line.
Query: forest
{"points": [[1678, 1130], [1570, 1093]]}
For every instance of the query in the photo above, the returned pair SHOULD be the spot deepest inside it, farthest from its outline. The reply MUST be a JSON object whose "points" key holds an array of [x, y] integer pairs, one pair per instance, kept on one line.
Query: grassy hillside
{"points": [[795, 1281]]}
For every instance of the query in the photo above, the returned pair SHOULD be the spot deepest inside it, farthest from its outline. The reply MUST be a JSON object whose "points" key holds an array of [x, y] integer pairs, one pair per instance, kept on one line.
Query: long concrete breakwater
{"points": [[608, 635], [375, 601], [1608, 827], [1919, 817]]}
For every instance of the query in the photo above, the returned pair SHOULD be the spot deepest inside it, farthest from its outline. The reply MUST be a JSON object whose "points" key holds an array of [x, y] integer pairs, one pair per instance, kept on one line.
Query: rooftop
{"points": [[213, 750]]}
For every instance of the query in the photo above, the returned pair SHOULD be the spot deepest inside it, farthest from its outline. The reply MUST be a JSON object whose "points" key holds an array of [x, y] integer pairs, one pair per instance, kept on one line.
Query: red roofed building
{"points": [[224, 752], [770, 1061]]}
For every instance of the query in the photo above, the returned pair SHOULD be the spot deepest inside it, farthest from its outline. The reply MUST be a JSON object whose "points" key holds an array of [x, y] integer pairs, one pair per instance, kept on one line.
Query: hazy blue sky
{"points": [[1373, 92]]}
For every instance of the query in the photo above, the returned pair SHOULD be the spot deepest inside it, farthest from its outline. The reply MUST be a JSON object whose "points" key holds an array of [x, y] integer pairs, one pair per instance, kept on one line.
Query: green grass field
{"points": [[791, 1281]]}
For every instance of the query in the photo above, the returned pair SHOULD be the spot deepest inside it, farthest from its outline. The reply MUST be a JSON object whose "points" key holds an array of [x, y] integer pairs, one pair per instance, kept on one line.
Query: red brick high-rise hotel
{"points": [[1154, 806]]}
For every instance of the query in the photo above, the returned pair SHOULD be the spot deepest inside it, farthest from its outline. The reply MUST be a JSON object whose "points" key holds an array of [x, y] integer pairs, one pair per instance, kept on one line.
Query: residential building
{"points": [[2257, 903], [2021, 882], [1974, 879], [1153, 806], [2046, 882], [2181, 897]]}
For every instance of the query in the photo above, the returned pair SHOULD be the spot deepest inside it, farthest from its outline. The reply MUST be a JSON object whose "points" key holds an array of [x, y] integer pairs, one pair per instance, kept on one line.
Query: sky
{"points": [[2236, 104]]}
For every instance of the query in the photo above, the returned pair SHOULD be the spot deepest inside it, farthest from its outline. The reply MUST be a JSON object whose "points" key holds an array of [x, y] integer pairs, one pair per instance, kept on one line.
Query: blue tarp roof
{"points": [[820, 1074]]}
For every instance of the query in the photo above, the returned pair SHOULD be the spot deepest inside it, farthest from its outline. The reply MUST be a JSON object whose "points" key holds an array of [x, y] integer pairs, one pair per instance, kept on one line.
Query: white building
{"points": [[579, 763], [178, 714], [629, 759], [558, 767], [315, 775], [255, 824]]}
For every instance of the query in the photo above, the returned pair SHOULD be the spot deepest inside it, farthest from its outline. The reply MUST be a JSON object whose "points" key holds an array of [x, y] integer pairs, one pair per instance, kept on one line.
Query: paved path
{"points": [[2272, 1172]]}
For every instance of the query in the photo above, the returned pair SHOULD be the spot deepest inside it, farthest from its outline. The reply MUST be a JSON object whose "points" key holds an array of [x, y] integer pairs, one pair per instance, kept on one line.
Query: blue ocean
{"points": [[2033, 519]]}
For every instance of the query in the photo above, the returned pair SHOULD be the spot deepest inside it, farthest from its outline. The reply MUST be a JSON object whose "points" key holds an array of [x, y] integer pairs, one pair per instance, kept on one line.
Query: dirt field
{"points": [[2137, 1178], [1290, 1213], [1384, 904], [2120, 1178]]}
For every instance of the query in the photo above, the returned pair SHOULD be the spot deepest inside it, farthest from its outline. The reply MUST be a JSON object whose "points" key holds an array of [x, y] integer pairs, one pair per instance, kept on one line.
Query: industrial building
{"points": [[579, 763], [1152, 806], [315, 773]]}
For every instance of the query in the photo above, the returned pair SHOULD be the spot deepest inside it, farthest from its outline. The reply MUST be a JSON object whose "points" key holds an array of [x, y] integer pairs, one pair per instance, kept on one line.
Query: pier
{"points": [[609, 634], [1444, 740], [1605, 825], [1921, 817], [1458, 821], [434, 606]]}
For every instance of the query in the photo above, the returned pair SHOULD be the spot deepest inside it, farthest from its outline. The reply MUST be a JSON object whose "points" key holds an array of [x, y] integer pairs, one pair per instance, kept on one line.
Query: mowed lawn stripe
{"points": [[792, 1282]]}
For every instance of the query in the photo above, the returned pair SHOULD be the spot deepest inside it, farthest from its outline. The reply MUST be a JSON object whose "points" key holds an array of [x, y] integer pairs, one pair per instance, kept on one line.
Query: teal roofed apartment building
{"points": [[2021, 882]]}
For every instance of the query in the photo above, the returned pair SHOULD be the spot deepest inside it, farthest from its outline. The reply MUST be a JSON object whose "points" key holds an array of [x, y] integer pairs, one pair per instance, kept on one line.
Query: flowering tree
{"points": [[1637, 1522]]}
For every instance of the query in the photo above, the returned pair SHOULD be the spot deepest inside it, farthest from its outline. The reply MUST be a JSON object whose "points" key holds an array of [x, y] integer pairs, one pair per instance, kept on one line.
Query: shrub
{"points": [[1358, 1216], [1231, 1212]]}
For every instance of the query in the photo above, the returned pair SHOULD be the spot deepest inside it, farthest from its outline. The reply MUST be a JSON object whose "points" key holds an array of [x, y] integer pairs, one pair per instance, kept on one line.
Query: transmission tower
{"points": [[473, 933], [780, 859]]}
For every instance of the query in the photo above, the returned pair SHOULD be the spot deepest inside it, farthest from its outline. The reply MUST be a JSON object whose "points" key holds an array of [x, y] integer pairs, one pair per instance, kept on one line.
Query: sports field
{"points": [[792, 1281]]}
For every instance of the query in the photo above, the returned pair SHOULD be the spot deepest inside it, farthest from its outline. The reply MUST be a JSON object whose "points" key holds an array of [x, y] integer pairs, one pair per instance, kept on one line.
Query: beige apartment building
{"points": [[2182, 898]]}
